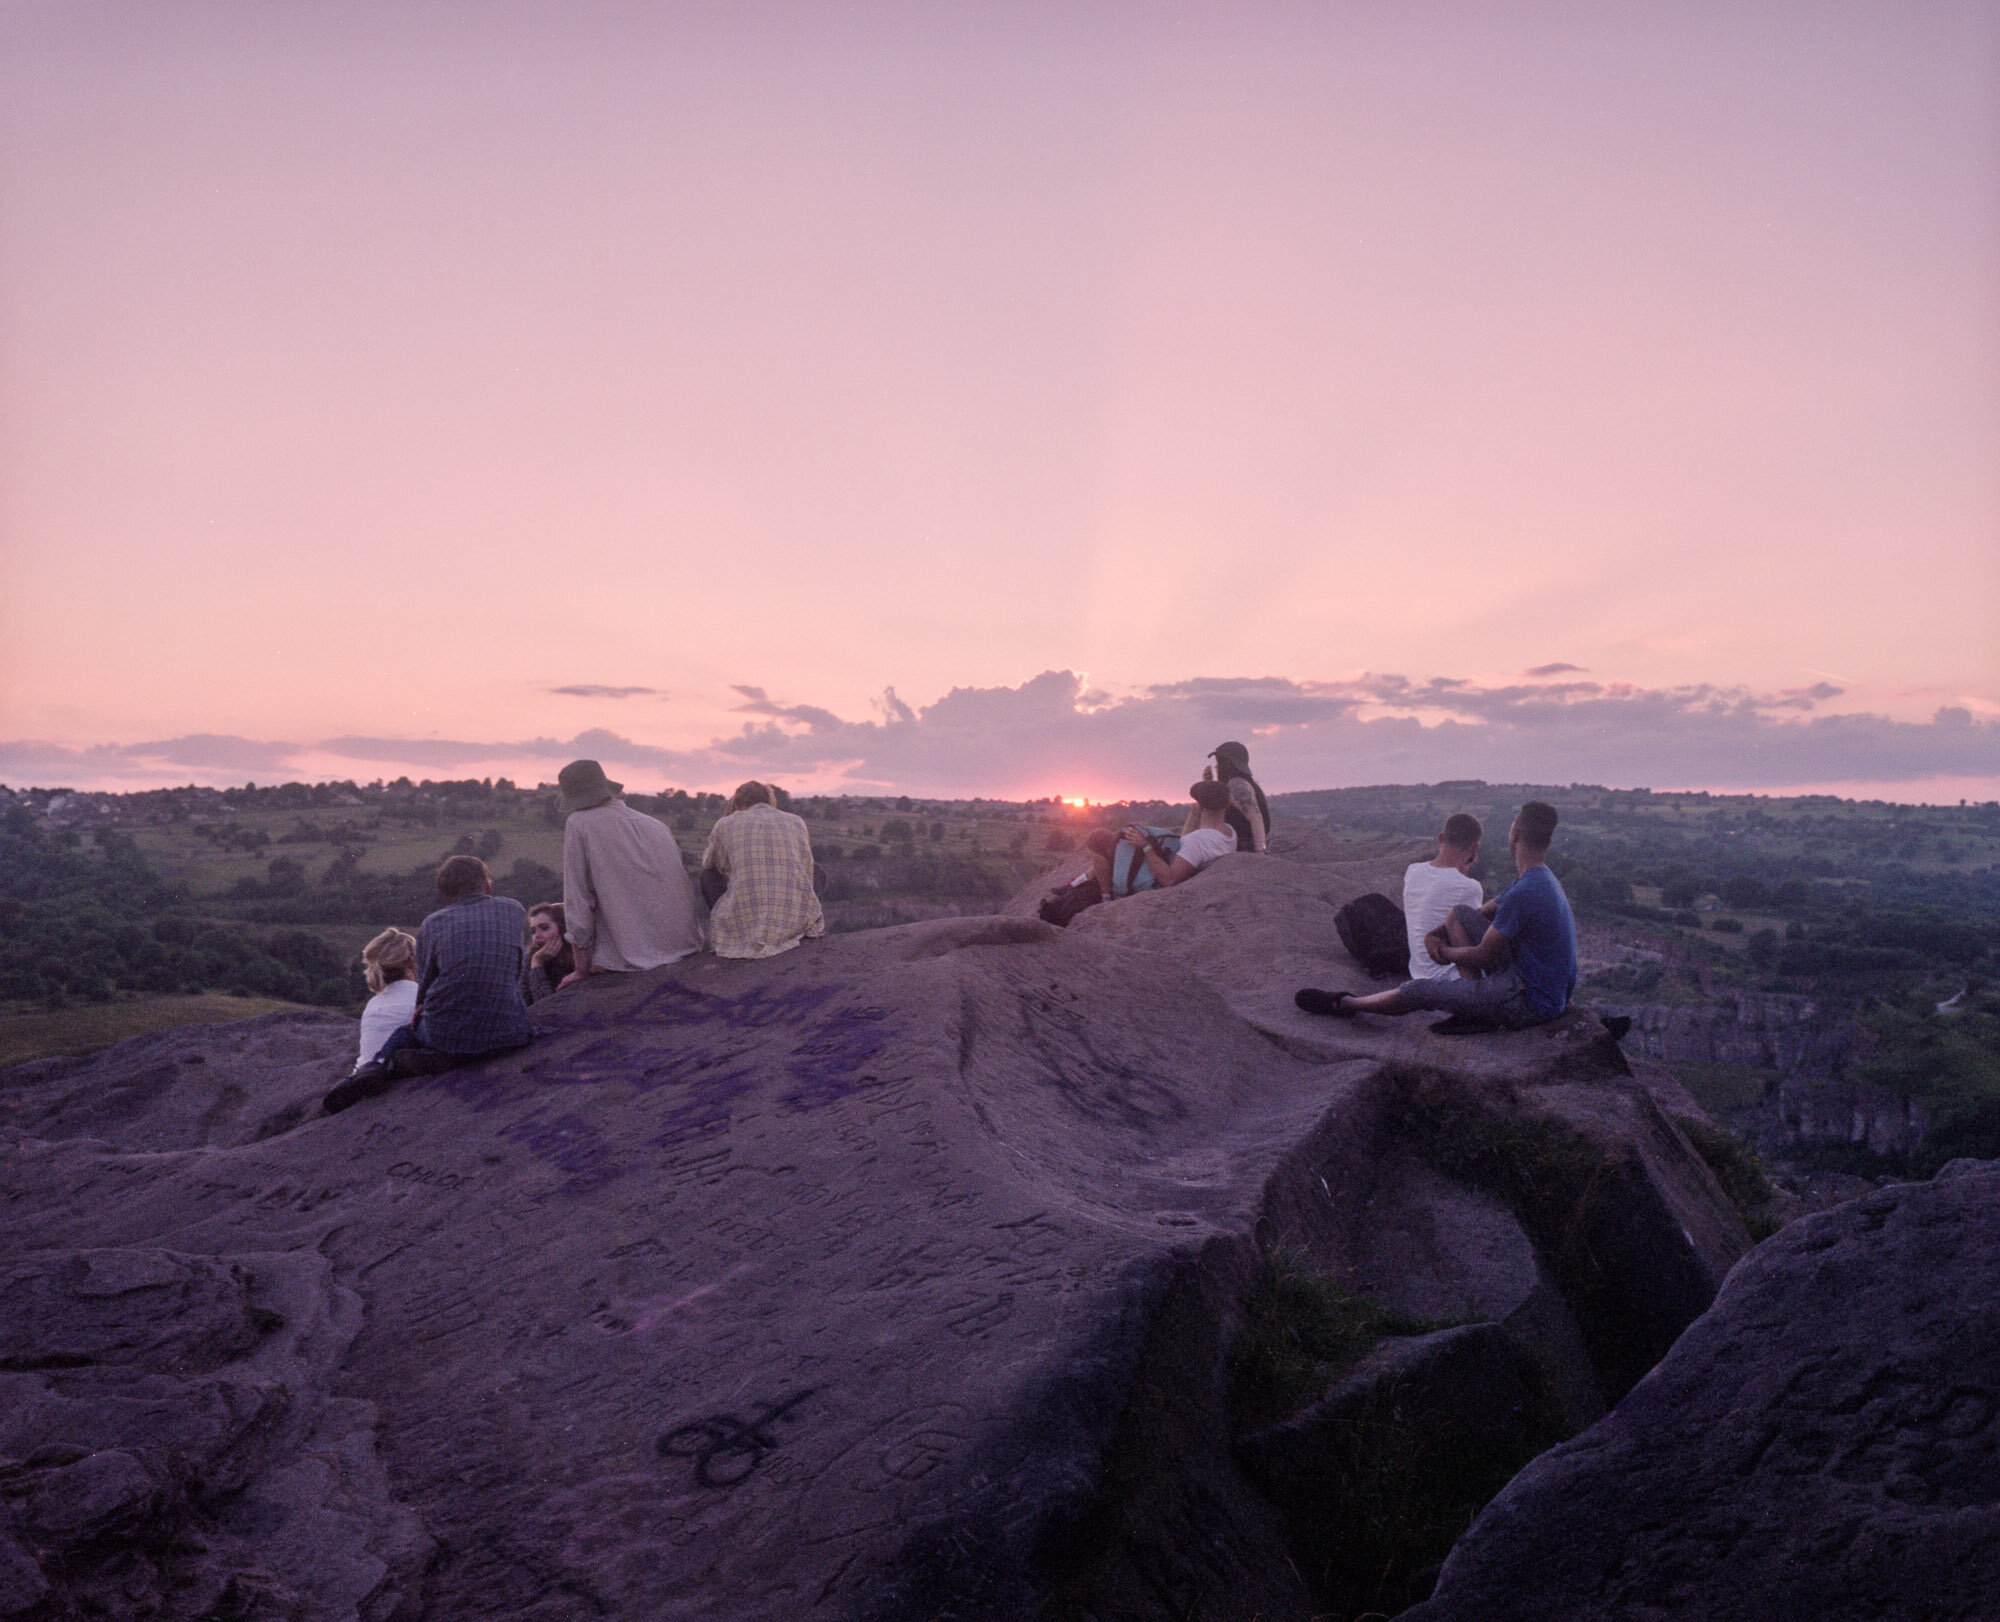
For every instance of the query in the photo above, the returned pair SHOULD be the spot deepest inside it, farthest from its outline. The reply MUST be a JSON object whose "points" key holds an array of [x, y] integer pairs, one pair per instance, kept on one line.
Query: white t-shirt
{"points": [[1203, 845], [394, 1005], [1429, 894]]}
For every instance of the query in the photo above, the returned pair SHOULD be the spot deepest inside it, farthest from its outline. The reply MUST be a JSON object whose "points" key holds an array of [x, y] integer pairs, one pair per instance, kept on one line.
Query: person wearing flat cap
{"points": [[627, 898]]}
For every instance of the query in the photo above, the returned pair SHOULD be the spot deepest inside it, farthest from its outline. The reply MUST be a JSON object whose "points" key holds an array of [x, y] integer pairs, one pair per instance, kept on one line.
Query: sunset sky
{"points": [[1005, 399]]}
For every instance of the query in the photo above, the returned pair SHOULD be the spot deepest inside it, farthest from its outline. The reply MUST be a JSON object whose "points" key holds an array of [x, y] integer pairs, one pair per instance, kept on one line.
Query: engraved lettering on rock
{"points": [[416, 1172], [726, 1449]]}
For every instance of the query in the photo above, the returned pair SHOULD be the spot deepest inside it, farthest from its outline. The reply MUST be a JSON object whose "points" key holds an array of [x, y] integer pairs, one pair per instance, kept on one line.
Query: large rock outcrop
{"points": [[962, 1268], [1824, 1443]]}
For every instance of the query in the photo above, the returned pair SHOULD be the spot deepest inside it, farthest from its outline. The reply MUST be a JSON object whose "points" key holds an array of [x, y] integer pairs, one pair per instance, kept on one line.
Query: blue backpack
{"points": [[1129, 872]]}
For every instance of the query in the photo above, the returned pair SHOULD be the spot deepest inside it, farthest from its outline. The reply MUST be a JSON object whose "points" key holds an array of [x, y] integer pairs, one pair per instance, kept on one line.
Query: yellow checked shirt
{"points": [[769, 906]]}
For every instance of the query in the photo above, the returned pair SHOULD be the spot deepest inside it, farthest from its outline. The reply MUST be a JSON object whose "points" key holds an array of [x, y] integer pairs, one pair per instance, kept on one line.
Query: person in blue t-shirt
{"points": [[1517, 970]]}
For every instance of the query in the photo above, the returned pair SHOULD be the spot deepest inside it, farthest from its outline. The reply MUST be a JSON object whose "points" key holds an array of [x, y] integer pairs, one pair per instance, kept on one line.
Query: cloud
{"points": [[757, 703], [592, 690], [1056, 734], [1554, 670], [38, 760], [1049, 733]]}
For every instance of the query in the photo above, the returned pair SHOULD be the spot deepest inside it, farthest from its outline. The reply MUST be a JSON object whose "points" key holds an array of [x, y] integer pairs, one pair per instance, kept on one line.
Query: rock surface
{"points": [[894, 1277], [186, 1088], [1764, 1030], [169, 1445], [1824, 1443]]}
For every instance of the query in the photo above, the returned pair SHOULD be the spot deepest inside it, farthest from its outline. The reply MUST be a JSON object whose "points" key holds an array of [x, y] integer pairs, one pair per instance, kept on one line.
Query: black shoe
{"points": [[374, 1077], [1617, 1025], [1462, 1025], [1333, 1003]]}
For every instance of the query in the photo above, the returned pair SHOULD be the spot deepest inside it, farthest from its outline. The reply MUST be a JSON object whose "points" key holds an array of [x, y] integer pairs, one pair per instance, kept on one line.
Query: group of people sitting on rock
{"points": [[1502, 964], [1229, 814], [459, 989]]}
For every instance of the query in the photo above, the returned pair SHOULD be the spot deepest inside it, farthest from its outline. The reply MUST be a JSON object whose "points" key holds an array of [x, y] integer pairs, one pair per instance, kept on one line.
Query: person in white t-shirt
{"points": [[1433, 890], [389, 963], [1210, 837]]}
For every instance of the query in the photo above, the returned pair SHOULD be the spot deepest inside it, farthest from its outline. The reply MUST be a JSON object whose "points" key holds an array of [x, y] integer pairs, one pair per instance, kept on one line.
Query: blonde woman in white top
{"points": [[389, 963]]}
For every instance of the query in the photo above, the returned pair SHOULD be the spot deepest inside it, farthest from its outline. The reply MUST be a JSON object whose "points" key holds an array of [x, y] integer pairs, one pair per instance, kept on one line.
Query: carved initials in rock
{"points": [[726, 1449]]}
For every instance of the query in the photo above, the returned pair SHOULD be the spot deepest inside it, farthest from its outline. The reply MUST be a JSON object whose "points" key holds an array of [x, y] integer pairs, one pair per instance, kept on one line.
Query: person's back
{"points": [[1431, 889], [1535, 916], [469, 976], [389, 963], [766, 854], [387, 1011], [627, 898]]}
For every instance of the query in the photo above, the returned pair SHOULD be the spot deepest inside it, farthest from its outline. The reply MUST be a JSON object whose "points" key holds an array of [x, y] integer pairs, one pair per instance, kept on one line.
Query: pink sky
{"points": [[378, 372]]}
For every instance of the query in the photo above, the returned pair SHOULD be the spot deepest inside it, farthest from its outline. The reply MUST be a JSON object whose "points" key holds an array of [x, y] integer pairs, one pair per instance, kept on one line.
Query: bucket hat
{"points": [[583, 784]]}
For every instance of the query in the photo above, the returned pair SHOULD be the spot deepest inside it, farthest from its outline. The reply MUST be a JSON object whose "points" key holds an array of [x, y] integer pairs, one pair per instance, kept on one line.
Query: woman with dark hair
{"points": [[1249, 812], [550, 955]]}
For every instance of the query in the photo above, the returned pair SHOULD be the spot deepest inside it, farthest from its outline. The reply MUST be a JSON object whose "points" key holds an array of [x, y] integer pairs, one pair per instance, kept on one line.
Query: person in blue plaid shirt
{"points": [[469, 1001]]}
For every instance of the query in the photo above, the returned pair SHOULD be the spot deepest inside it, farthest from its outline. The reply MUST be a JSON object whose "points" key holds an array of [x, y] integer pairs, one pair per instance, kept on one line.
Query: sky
{"points": [[1002, 399]]}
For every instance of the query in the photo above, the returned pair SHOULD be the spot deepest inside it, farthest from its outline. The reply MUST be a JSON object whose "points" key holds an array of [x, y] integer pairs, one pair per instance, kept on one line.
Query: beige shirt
{"points": [[769, 906], [627, 898]]}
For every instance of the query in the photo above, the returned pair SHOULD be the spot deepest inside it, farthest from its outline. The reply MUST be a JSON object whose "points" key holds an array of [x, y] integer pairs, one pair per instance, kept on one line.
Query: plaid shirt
{"points": [[769, 906], [469, 976]]}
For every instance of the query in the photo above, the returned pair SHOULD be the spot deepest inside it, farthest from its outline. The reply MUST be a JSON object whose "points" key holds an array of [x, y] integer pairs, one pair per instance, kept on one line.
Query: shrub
{"points": [[1744, 892], [1299, 1334], [1739, 1171]]}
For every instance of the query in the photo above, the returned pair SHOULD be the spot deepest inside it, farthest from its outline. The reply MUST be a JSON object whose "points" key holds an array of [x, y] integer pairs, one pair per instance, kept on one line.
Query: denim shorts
{"points": [[1499, 997]]}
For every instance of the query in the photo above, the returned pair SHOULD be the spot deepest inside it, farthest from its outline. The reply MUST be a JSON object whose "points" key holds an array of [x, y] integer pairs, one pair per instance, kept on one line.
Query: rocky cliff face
{"points": [[1824, 1443], [969, 1267], [1764, 1030]]}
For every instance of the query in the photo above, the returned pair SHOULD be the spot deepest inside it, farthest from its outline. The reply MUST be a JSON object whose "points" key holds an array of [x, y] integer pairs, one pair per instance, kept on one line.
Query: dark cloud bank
{"points": [[1051, 733]]}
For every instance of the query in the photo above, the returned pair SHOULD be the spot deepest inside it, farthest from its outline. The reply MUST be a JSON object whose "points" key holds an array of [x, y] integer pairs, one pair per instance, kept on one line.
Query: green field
{"points": [[34, 1033]]}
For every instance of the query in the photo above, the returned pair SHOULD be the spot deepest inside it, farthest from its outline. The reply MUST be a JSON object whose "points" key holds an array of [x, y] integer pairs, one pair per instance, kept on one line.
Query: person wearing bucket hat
{"points": [[627, 898], [582, 785], [1249, 811]]}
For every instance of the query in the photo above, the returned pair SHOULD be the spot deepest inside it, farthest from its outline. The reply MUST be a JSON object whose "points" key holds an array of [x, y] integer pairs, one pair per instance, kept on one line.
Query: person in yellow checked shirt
{"points": [[765, 858]]}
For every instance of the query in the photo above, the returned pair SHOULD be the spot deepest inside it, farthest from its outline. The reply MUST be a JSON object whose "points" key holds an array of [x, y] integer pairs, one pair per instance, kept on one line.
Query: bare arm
{"points": [[579, 912], [1157, 863], [1491, 948]]}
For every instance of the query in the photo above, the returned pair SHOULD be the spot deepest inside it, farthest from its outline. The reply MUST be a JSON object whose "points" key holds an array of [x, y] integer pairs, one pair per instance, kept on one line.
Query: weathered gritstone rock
{"points": [[898, 1276], [1823, 1443], [169, 1446], [1846, 1110], [1761, 1029], [183, 1088]]}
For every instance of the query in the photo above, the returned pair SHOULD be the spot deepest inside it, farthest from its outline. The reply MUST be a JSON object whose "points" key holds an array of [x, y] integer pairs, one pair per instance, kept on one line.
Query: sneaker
{"points": [[373, 1077], [1323, 1002]]}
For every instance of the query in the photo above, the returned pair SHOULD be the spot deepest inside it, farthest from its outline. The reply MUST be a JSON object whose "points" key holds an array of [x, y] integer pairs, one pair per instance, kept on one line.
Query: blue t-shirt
{"points": [[1534, 915]]}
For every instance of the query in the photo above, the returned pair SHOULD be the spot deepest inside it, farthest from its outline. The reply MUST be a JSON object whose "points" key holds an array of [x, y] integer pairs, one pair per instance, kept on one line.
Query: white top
{"points": [[1429, 894], [627, 899], [394, 1005], [1203, 845]]}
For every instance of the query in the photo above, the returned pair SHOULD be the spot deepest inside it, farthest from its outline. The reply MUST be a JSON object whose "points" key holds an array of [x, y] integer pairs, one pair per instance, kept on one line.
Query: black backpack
{"points": [[1376, 935], [1064, 904]]}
